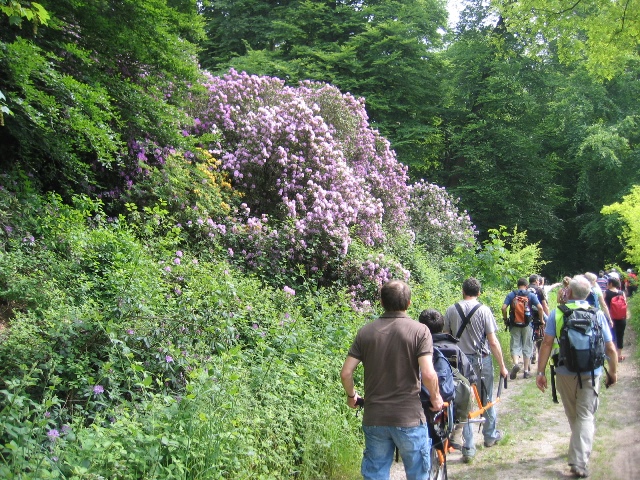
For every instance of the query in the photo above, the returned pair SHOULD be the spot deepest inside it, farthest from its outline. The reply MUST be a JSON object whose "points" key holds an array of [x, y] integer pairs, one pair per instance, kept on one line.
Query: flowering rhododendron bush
{"points": [[315, 175], [438, 224]]}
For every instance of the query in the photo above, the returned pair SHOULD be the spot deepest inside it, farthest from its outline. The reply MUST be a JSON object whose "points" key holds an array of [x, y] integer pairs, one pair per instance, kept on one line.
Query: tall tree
{"points": [[381, 50], [536, 143], [494, 159], [99, 80], [604, 32]]}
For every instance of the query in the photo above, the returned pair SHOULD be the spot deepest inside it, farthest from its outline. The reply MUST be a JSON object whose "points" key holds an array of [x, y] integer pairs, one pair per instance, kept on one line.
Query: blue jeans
{"points": [[489, 426], [413, 444]]}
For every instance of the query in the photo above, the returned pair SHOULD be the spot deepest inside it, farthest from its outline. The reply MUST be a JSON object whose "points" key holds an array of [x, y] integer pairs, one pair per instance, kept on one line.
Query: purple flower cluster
{"points": [[438, 224], [308, 157], [366, 277]]}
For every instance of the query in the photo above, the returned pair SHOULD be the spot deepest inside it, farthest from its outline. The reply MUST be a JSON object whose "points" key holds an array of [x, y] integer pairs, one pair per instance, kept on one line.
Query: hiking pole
{"points": [[501, 381], [554, 393]]}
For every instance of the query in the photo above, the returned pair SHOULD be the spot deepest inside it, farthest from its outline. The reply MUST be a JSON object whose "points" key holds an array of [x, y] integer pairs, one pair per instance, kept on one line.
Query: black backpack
{"points": [[581, 341]]}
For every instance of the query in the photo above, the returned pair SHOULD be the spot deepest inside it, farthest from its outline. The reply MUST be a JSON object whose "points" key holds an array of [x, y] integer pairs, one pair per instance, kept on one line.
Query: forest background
{"points": [[188, 249]]}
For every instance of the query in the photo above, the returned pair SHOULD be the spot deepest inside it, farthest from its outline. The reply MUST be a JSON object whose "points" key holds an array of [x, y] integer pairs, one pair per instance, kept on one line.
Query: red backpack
{"points": [[618, 308], [520, 311]]}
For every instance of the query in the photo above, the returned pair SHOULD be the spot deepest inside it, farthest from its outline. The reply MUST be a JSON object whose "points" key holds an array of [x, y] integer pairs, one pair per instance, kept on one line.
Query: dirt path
{"points": [[537, 434]]}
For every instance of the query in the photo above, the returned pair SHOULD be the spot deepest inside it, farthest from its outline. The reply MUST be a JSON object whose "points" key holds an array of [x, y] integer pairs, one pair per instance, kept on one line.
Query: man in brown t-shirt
{"points": [[395, 352]]}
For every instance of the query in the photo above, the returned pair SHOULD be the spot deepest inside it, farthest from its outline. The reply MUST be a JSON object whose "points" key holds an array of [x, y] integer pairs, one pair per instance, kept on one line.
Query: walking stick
{"points": [[554, 393]]}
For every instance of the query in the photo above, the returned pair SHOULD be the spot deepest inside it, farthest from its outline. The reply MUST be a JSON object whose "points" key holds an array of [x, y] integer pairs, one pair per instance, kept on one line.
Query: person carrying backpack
{"points": [[535, 286], [602, 281], [475, 326], [631, 283], [578, 385], [616, 301], [435, 322], [463, 374], [519, 304], [596, 297]]}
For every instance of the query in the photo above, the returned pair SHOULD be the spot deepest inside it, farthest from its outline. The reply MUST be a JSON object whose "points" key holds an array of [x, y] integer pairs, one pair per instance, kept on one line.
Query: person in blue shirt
{"points": [[580, 403], [521, 344]]}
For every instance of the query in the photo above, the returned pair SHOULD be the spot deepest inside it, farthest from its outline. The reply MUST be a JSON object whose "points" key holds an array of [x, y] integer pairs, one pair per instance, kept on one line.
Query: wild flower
{"points": [[168, 358], [53, 434], [438, 224], [98, 389], [335, 176]]}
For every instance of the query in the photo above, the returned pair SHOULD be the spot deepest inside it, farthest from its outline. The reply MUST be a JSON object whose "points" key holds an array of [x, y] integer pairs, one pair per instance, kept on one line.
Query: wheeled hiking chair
{"points": [[440, 427]]}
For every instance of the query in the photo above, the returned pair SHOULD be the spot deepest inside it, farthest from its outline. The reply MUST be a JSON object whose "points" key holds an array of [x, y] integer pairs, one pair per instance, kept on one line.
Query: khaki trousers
{"points": [[580, 406]]}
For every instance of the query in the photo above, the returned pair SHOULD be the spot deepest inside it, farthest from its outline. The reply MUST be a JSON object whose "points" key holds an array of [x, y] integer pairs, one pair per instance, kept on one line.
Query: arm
{"points": [[346, 375], [430, 380], [543, 358], [605, 308], [504, 312], [545, 309], [496, 350]]}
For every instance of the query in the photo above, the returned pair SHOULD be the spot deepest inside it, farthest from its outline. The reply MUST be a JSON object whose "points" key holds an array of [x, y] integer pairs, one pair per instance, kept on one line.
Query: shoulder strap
{"points": [[465, 320]]}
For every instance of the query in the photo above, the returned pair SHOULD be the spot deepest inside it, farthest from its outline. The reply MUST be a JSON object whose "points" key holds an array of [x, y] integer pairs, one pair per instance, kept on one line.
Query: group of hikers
{"points": [[399, 354]]}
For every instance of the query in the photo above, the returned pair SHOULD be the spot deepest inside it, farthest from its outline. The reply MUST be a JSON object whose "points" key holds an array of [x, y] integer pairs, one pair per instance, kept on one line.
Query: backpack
{"points": [[445, 380], [581, 341], [463, 375], [618, 308], [520, 311], [592, 298]]}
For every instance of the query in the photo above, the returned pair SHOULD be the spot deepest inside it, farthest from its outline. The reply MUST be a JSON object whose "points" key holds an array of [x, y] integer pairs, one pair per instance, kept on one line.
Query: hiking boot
{"points": [[580, 472], [533, 359], [514, 371], [467, 458], [490, 443], [526, 375]]}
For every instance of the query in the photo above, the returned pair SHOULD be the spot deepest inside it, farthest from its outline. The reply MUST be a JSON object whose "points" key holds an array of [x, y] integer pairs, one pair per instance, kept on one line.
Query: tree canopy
{"points": [[382, 51], [604, 34]]}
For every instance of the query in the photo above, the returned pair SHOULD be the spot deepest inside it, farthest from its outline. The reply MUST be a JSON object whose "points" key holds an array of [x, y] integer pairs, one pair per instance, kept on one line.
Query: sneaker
{"points": [[467, 458], [490, 443], [514, 371], [580, 472], [455, 440], [533, 359], [526, 375]]}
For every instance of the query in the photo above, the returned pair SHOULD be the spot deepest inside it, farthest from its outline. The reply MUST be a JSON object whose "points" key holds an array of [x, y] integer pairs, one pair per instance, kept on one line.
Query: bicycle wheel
{"points": [[438, 472]]}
